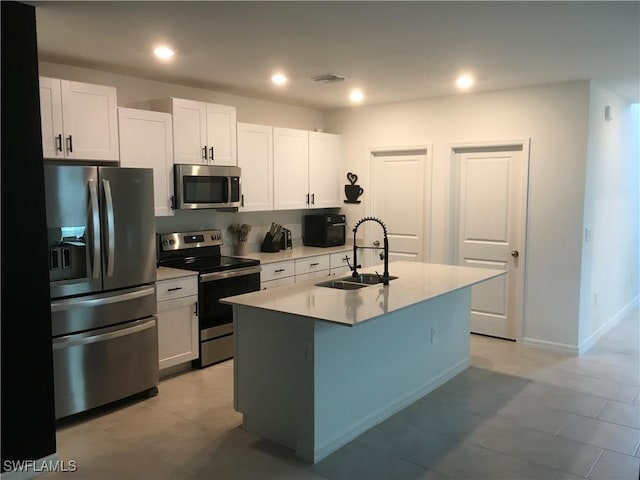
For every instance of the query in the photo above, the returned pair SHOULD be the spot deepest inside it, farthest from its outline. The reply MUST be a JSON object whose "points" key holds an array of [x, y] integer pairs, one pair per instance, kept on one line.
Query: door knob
{"points": [[515, 253], [376, 243]]}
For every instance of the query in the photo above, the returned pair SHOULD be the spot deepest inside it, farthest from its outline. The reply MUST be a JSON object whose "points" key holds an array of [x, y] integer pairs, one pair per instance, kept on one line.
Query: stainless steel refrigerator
{"points": [[102, 274]]}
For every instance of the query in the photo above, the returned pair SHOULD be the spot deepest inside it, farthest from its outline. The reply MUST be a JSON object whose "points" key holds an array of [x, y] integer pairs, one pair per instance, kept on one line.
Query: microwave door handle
{"points": [[227, 194], [341, 224], [111, 240], [95, 226]]}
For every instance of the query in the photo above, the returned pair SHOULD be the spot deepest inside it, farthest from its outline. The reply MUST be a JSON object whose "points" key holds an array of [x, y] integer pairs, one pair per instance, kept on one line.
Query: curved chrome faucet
{"points": [[383, 256]]}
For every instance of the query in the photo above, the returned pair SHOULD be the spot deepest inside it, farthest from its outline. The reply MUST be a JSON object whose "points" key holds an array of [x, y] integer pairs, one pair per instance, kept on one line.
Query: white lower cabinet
{"points": [[340, 263], [278, 274], [177, 321], [280, 282]]}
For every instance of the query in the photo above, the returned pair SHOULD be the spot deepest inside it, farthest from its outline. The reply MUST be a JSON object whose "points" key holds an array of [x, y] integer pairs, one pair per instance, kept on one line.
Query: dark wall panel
{"points": [[28, 417]]}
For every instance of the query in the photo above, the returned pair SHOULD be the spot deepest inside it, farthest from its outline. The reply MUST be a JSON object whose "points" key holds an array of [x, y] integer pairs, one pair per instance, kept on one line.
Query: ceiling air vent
{"points": [[327, 78]]}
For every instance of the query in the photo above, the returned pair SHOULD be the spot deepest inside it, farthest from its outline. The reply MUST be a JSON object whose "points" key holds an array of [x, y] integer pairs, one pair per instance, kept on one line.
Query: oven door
{"points": [[215, 318]]}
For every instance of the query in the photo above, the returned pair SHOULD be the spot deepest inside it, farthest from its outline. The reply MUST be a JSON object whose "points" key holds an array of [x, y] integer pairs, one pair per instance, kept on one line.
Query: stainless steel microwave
{"points": [[206, 186]]}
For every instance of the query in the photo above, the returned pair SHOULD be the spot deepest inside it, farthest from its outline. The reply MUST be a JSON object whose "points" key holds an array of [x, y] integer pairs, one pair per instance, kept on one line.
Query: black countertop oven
{"points": [[324, 230]]}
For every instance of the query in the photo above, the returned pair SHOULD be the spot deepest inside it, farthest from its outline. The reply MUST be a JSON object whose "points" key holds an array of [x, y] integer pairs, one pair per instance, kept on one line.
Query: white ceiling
{"points": [[394, 51]]}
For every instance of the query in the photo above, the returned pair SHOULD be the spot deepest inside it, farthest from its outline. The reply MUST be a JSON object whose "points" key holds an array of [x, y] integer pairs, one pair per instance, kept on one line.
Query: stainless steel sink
{"points": [[353, 283], [366, 278], [341, 284]]}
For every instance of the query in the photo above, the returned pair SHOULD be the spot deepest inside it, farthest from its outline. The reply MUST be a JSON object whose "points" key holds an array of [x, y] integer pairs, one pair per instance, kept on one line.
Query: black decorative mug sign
{"points": [[352, 191]]}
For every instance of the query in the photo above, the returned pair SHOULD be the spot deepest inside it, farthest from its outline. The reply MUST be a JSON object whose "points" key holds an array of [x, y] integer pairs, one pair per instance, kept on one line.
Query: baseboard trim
{"points": [[608, 325], [589, 342], [556, 347], [377, 417], [27, 469]]}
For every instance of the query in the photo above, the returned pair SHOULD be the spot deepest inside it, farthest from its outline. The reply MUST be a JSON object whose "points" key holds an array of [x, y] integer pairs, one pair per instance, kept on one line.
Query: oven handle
{"points": [[236, 272]]}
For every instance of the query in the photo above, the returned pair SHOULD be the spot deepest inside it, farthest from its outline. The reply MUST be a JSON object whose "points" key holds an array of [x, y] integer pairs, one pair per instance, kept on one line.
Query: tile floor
{"points": [[516, 414]]}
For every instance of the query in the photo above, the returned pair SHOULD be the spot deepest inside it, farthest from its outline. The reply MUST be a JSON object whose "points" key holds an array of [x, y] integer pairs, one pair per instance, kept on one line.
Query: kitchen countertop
{"points": [[297, 252], [167, 273], [416, 282]]}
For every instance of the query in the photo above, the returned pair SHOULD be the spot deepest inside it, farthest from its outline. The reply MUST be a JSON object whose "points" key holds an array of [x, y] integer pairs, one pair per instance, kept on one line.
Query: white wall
{"points": [[555, 118], [610, 258]]}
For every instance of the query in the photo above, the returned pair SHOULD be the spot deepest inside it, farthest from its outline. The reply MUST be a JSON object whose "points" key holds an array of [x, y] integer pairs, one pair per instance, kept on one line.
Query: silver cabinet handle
{"points": [[515, 253], [111, 232], [376, 243], [95, 226]]}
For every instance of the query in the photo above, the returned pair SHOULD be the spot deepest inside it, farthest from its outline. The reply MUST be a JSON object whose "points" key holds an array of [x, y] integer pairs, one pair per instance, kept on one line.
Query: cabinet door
{"points": [[255, 158], [290, 168], [51, 117], [146, 141], [325, 162], [177, 331], [189, 131], [221, 134], [89, 117]]}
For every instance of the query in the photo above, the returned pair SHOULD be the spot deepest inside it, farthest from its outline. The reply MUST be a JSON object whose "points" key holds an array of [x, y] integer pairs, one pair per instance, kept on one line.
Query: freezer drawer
{"points": [[94, 368]]}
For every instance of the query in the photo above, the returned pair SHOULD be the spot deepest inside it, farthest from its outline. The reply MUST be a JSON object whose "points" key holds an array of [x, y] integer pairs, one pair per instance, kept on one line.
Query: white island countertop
{"points": [[416, 283]]}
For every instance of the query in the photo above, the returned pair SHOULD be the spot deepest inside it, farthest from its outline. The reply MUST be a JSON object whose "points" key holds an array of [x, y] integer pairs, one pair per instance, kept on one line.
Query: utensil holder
{"points": [[270, 243]]}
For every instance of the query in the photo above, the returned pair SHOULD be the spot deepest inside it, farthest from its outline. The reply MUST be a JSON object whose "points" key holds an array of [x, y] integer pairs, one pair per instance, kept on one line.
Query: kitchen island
{"points": [[315, 367]]}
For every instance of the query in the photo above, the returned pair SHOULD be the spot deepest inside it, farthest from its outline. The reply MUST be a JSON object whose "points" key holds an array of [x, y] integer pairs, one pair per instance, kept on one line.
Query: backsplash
{"points": [[185, 221]]}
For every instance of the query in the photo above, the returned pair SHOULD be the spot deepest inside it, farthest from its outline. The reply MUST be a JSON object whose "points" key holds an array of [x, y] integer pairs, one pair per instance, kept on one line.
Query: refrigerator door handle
{"points": [[110, 334], [95, 224], [111, 234], [70, 303]]}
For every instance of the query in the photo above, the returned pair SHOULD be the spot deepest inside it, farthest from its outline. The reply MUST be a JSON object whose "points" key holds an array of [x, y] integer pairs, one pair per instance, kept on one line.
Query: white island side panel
{"points": [[314, 386]]}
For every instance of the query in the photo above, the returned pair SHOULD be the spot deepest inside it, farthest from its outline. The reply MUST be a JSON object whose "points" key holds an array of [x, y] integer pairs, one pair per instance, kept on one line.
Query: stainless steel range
{"points": [[219, 277]]}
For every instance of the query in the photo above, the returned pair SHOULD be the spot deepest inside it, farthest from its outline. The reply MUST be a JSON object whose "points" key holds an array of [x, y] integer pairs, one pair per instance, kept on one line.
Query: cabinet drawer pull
{"points": [[313, 199], [211, 152], [59, 143], [314, 264], [173, 289], [279, 270], [204, 152], [70, 144]]}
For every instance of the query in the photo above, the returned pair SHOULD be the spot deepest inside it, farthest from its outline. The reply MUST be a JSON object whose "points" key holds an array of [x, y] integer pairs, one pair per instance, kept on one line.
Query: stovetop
{"points": [[209, 264], [197, 251]]}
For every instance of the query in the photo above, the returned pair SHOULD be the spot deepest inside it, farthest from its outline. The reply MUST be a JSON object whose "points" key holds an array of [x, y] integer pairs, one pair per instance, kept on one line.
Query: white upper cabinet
{"points": [[306, 169], [255, 159], [324, 170], [290, 169], [202, 132], [146, 141], [79, 120]]}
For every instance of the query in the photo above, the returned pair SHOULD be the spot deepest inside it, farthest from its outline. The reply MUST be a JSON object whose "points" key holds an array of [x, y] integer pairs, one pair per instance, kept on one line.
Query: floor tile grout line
{"points": [[557, 434], [595, 463], [604, 407]]}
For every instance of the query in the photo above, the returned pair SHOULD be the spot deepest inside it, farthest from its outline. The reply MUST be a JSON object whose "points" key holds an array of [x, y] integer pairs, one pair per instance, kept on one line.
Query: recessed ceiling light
{"points": [[464, 82], [279, 79], [163, 53], [356, 96]]}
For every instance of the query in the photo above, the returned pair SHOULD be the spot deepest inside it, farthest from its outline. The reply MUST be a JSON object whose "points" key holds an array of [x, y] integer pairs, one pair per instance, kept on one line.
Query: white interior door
{"points": [[490, 215], [398, 200]]}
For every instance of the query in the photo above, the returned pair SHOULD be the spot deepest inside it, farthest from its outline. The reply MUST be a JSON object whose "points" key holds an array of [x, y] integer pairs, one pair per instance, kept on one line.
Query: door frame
{"points": [[422, 149], [523, 145]]}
